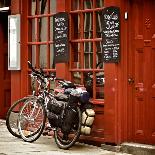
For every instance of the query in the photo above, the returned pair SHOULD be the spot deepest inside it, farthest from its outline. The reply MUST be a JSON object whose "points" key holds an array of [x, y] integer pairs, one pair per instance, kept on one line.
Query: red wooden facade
{"points": [[126, 113]]}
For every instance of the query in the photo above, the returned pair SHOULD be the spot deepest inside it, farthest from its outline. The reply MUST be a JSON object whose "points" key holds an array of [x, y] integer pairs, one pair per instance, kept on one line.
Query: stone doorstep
{"points": [[131, 148]]}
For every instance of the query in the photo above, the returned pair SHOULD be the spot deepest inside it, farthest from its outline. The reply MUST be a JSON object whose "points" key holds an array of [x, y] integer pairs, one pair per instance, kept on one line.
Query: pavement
{"points": [[45, 145]]}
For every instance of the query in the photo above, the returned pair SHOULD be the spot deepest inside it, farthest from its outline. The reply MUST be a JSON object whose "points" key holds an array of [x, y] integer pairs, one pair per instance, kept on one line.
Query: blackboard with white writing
{"points": [[111, 34], [60, 37]]}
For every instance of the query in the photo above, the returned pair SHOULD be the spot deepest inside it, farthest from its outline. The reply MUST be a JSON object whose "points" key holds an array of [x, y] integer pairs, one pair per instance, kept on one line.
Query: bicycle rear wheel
{"points": [[12, 116], [32, 118], [66, 141]]}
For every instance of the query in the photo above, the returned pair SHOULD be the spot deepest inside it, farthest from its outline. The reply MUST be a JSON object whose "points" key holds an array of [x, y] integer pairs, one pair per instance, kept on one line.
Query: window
{"points": [[86, 65], [40, 31], [5, 3]]}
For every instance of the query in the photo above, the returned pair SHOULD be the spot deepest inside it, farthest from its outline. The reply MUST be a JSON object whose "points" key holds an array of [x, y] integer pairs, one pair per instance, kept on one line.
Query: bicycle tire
{"points": [[67, 144], [26, 120], [12, 121]]}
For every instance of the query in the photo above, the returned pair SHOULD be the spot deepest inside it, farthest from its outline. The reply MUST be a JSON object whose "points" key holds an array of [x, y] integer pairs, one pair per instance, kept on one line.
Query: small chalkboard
{"points": [[111, 34], [60, 37]]}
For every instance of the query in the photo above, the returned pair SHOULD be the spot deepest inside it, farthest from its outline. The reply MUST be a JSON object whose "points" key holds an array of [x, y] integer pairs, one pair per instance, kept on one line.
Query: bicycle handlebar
{"points": [[41, 75]]}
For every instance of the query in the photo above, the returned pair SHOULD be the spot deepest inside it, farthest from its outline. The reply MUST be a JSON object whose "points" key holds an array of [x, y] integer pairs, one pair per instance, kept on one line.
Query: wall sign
{"points": [[60, 37], [14, 42], [111, 34]]}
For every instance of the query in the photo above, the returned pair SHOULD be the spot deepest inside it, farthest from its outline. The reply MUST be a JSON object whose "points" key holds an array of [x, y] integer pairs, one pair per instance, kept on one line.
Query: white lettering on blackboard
{"points": [[111, 34], [60, 19], [60, 37]]}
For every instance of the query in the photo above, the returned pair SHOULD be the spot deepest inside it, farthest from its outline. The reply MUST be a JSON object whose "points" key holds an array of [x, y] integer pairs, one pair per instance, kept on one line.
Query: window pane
{"points": [[43, 56], [99, 3], [33, 23], [98, 53], [32, 84], [88, 82], [88, 25], [5, 3], [76, 55], [52, 63], [75, 21], [43, 29], [33, 7], [88, 4], [88, 55], [51, 28], [76, 77], [100, 85], [98, 24], [52, 6], [38, 7], [33, 55]]}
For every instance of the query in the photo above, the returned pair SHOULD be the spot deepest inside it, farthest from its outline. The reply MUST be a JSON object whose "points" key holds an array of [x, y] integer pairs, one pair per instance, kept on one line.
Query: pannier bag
{"points": [[54, 119], [87, 120], [68, 120], [55, 109], [56, 106], [61, 97]]}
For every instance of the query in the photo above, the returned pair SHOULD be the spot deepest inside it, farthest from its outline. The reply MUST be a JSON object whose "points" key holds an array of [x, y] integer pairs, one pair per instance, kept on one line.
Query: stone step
{"points": [[131, 148], [138, 149]]}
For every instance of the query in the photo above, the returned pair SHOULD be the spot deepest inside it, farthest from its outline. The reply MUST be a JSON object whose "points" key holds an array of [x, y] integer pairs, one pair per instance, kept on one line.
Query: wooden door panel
{"points": [[142, 37]]}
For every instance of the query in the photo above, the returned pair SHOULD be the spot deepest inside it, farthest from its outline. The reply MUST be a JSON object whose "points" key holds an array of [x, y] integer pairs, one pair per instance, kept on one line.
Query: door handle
{"points": [[130, 80]]}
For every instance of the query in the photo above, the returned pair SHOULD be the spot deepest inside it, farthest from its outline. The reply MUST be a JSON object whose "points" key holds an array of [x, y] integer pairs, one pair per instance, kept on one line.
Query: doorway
{"points": [[141, 71], [5, 75]]}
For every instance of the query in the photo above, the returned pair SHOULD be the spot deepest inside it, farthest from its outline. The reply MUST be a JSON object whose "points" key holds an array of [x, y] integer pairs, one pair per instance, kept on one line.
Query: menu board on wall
{"points": [[60, 37], [111, 34]]}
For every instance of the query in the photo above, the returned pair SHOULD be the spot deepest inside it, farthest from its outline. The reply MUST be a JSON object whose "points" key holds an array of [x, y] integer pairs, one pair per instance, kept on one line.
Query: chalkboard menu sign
{"points": [[60, 37], [111, 34]]}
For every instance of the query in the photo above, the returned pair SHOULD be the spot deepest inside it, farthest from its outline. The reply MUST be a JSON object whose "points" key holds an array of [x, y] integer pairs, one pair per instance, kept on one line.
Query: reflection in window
{"points": [[100, 81]]}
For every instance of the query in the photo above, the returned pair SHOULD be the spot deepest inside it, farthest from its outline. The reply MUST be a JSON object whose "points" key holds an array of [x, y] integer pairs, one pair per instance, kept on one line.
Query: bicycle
{"points": [[64, 113], [13, 111]]}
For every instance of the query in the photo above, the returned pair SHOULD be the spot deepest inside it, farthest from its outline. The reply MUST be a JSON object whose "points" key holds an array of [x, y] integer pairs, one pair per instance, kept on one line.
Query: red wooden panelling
{"points": [[142, 29]]}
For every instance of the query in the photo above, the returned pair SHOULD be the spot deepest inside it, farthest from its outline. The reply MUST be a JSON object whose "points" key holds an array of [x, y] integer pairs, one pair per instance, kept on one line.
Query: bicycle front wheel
{"points": [[12, 116], [32, 118]]}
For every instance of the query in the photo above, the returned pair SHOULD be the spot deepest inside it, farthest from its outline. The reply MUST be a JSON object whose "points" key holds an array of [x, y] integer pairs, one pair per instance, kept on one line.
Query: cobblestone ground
{"points": [[45, 145]]}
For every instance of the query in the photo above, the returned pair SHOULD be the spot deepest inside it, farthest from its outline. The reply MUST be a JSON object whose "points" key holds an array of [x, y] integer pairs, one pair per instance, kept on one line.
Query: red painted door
{"points": [[141, 71], [5, 85]]}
